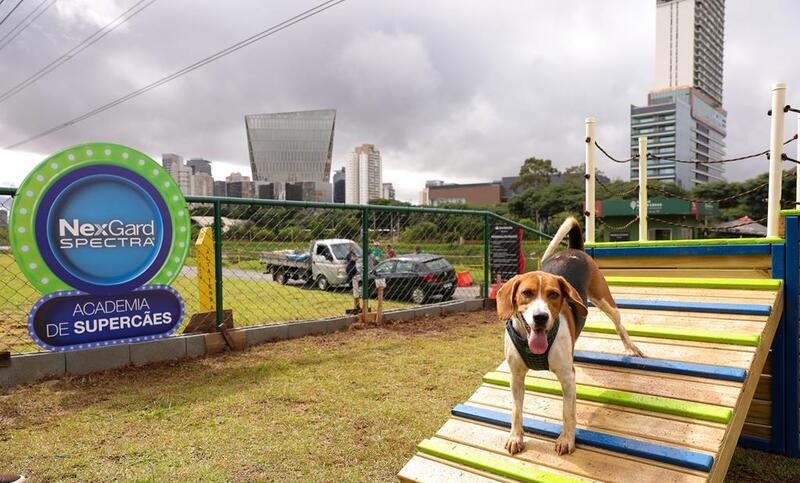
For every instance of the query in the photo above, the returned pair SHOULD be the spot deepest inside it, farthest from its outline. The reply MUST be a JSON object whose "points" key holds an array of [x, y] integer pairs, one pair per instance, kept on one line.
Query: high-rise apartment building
{"points": [[684, 118], [201, 184], [388, 192], [199, 165], [220, 188], [293, 147], [339, 186], [168, 160], [364, 175]]}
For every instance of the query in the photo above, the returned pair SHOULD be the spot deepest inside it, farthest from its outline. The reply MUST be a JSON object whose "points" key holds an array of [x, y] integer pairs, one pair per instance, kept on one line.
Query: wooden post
{"points": [[590, 179], [204, 252], [379, 309], [642, 188], [775, 161]]}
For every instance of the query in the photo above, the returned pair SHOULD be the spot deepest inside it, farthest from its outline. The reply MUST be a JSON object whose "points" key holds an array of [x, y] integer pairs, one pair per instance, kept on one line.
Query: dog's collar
{"points": [[535, 362]]}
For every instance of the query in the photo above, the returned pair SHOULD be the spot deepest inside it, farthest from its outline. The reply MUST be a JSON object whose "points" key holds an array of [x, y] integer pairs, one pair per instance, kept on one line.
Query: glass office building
{"points": [[292, 148]]}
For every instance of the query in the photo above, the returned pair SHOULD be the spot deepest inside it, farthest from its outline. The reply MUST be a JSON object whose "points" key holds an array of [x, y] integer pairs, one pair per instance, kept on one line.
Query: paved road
{"points": [[245, 274]]}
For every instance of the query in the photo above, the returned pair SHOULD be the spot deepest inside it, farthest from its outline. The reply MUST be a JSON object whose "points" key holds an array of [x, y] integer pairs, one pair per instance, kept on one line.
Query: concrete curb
{"points": [[29, 368]]}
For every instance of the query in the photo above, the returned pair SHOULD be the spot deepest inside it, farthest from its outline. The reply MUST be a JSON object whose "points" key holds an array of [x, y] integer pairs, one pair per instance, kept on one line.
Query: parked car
{"points": [[417, 277], [323, 264]]}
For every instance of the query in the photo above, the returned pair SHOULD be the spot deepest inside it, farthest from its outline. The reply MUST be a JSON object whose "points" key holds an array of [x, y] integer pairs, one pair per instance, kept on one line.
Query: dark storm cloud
{"points": [[458, 90]]}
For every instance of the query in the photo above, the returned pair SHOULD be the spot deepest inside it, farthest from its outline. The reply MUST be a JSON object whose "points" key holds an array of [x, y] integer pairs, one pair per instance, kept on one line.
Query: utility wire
{"points": [[10, 12], [85, 44], [207, 60], [4, 42]]}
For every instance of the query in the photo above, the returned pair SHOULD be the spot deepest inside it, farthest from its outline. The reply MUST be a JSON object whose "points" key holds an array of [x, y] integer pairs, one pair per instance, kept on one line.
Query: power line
{"points": [[4, 42], [207, 60], [10, 12], [85, 44]]}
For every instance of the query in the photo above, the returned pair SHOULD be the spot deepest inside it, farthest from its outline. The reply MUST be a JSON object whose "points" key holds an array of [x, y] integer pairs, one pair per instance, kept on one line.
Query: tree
{"points": [[575, 174], [535, 173]]}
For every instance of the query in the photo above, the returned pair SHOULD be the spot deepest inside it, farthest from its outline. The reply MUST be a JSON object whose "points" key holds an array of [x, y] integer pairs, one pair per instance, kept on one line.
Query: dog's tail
{"points": [[571, 227]]}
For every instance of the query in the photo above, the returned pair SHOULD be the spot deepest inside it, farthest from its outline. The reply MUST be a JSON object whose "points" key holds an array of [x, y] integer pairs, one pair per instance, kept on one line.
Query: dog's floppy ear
{"points": [[506, 298], [572, 294]]}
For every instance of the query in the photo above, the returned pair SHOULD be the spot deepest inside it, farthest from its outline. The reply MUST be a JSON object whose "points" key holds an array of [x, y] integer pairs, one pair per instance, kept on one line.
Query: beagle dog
{"points": [[544, 313]]}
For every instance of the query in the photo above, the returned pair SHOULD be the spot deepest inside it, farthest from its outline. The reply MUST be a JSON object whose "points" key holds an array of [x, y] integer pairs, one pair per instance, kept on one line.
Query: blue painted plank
{"points": [[662, 365], [642, 449], [707, 307], [754, 443], [677, 251]]}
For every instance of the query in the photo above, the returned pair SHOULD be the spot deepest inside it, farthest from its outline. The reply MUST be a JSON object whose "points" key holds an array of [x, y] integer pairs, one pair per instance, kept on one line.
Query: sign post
{"points": [[101, 230]]}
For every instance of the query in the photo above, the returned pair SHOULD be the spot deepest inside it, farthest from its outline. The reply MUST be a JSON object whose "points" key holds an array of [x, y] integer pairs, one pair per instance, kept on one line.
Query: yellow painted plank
{"points": [[585, 461], [654, 384], [704, 412]]}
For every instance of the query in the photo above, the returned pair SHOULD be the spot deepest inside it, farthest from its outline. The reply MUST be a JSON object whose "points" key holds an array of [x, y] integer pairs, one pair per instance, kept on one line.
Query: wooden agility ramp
{"points": [[674, 416]]}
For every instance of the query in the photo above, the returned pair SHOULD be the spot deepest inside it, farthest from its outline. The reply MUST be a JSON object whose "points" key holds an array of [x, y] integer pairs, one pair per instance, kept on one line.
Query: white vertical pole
{"points": [[797, 167], [775, 161], [642, 188], [590, 178]]}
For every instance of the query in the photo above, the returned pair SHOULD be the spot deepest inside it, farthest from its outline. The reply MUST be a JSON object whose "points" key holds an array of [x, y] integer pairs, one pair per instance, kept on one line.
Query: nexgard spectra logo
{"points": [[107, 224]]}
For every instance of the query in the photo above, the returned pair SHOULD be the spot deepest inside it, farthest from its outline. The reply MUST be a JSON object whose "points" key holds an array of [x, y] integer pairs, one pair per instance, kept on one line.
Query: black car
{"points": [[418, 278]]}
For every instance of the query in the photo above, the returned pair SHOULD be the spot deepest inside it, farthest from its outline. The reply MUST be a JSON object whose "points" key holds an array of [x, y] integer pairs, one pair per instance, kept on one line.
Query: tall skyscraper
{"points": [[293, 147], [220, 188], [199, 165], [339, 186], [684, 117], [201, 184], [364, 175]]}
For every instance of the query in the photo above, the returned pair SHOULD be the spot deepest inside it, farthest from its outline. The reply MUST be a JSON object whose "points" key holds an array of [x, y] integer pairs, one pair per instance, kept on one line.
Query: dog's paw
{"points": [[515, 444], [565, 444], [634, 351]]}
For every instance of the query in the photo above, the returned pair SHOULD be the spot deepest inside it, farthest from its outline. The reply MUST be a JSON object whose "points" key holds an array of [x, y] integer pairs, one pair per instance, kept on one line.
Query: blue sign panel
{"points": [[74, 320]]}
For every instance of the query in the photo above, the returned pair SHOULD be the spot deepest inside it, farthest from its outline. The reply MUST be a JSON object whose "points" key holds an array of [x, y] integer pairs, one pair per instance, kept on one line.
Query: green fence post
{"points": [[486, 268], [218, 261], [365, 258]]}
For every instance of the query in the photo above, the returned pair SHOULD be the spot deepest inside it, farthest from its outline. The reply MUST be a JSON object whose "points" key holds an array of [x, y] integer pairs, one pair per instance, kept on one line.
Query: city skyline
{"points": [[434, 115]]}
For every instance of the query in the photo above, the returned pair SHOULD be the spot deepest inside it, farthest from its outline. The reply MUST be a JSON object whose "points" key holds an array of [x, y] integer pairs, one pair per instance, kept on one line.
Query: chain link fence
{"points": [[291, 261]]}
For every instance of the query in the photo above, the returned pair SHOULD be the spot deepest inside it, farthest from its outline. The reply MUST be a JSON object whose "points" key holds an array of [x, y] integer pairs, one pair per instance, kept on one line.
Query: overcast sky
{"points": [[457, 90]]}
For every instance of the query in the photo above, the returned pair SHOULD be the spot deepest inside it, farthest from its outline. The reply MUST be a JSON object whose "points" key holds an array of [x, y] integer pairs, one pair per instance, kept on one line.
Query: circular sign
{"points": [[99, 218]]}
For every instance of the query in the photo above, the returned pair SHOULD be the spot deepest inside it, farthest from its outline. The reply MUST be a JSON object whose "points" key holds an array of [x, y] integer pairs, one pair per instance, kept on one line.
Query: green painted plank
{"points": [[485, 461], [678, 334], [667, 243], [733, 283], [790, 212], [706, 412]]}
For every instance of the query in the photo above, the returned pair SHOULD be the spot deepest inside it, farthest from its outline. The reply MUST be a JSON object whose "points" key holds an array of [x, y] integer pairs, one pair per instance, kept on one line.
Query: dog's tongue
{"points": [[537, 341]]}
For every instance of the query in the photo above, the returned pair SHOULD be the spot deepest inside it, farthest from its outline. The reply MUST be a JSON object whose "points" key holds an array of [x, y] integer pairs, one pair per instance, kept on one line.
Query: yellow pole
{"points": [[204, 252]]}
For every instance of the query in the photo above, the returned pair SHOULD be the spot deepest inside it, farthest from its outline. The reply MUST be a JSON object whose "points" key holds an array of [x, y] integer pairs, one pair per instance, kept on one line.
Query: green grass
{"points": [[349, 406], [254, 301]]}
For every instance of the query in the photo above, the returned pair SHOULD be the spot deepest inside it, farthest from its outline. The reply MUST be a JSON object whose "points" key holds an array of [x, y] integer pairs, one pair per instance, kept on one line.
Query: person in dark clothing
{"points": [[351, 267]]}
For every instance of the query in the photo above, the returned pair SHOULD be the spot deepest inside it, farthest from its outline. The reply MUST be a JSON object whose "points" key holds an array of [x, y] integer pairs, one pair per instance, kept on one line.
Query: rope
{"points": [[727, 228], [614, 227], [617, 194], [696, 161]]}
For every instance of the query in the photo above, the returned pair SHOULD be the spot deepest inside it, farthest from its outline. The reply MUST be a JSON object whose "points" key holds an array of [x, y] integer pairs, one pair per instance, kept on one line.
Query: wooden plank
{"points": [[699, 262], [421, 469], [760, 412], [661, 366], [646, 402], [715, 283], [697, 294], [731, 338], [687, 272], [673, 342], [721, 242], [585, 461], [688, 306], [757, 430], [735, 427], [671, 430], [692, 460], [653, 384], [698, 355], [682, 320], [490, 462], [764, 388]]}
